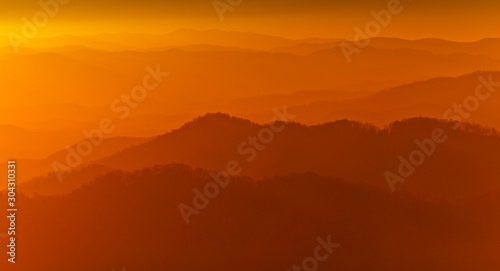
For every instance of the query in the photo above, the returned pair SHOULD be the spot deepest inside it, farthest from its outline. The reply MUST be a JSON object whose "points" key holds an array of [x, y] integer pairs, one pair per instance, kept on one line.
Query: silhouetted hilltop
{"points": [[349, 150], [133, 220], [219, 119]]}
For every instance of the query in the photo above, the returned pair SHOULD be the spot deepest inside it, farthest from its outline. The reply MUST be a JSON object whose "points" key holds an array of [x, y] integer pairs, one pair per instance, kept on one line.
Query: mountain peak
{"points": [[216, 118]]}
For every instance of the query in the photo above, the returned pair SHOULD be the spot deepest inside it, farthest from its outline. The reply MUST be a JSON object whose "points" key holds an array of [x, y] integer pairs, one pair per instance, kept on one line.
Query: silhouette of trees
{"points": [[133, 220]]}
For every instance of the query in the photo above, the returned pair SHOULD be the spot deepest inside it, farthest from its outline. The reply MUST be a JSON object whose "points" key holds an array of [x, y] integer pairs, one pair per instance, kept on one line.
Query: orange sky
{"points": [[452, 20]]}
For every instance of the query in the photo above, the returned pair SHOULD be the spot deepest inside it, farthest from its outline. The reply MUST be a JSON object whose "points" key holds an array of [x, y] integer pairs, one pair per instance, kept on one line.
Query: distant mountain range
{"points": [[391, 157], [428, 98], [390, 102], [244, 73], [190, 37]]}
